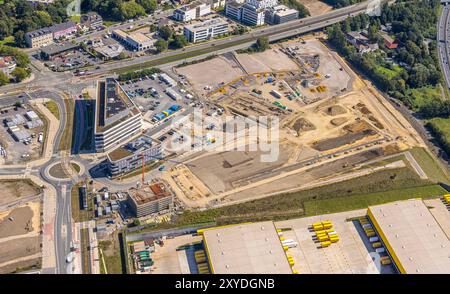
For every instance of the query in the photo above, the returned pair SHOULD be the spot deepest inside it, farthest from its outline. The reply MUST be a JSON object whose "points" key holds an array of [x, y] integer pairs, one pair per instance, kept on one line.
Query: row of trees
{"points": [[413, 22], [119, 10], [19, 16], [134, 75]]}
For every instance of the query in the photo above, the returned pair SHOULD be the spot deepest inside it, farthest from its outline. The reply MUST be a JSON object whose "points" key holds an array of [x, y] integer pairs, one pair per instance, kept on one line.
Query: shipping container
{"points": [[373, 239], [376, 244], [325, 244], [380, 250]]}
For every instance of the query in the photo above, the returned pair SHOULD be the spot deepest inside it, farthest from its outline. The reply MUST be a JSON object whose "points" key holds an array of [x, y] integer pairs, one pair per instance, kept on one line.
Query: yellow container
{"points": [[324, 238], [285, 248], [325, 244], [295, 272], [317, 224], [326, 222], [385, 261], [321, 232], [282, 238], [318, 228], [376, 244]]}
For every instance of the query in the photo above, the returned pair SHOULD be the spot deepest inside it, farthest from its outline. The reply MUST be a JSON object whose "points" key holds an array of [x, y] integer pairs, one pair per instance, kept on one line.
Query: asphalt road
{"points": [[443, 41]]}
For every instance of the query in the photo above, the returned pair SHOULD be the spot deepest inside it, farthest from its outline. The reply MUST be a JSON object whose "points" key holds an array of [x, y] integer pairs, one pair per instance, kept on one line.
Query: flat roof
{"points": [[58, 48], [149, 193], [206, 24], [139, 37], [246, 249], [135, 146], [412, 236], [113, 105]]}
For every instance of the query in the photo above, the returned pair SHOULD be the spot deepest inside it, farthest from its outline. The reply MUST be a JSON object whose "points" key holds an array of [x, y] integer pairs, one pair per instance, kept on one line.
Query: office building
{"points": [[191, 11], [233, 9], [205, 30], [150, 199], [252, 15], [129, 156], [281, 14], [117, 118]]}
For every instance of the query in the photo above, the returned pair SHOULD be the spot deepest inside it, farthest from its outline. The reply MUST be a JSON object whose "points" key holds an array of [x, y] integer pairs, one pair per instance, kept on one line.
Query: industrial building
{"points": [[130, 156], [107, 52], [191, 11], [253, 248], [50, 51], [206, 30], [117, 118], [281, 14], [136, 41], [150, 199], [414, 239]]}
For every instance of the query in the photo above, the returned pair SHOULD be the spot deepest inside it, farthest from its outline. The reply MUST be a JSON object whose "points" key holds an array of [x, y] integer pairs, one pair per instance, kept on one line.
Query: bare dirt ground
{"points": [[219, 176], [210, 73], [11, 190], [347, 124], [24, 263], [13, 249], [20, 220], [316, 7], [267, 61]]}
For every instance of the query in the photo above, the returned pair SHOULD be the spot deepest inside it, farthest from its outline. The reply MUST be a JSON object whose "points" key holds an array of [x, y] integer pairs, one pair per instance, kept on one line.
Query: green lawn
{"points": [[75, 18], [78, 214], [111, 255], [365, 200], [389, 73], [420, 96], [53, 107], [285, 206], [434, 170], [66, 139]]}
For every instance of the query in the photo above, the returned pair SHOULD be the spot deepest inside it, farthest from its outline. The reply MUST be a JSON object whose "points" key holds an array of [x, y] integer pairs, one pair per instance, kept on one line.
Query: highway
{"points": [[443, 41]]}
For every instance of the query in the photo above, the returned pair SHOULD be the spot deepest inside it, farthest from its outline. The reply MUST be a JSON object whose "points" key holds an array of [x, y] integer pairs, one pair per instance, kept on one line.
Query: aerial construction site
{"points": [[331, 123]]}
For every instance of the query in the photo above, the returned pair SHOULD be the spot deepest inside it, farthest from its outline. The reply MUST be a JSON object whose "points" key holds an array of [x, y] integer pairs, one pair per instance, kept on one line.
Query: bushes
{"points": [[440, 127], [133, 75]]}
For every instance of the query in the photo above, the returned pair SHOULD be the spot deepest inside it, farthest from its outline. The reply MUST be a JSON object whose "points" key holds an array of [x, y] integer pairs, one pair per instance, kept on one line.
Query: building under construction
{"points": [[150, 198]]}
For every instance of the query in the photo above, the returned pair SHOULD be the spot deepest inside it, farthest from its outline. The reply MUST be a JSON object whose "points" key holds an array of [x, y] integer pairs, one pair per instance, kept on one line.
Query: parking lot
{"points": [[13, 151], [151, 96], [70, 60]]}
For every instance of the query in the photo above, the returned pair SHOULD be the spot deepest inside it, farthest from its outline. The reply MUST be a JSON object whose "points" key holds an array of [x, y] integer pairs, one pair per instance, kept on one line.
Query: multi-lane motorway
{"points": [[47, 84], [443, 40]]}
